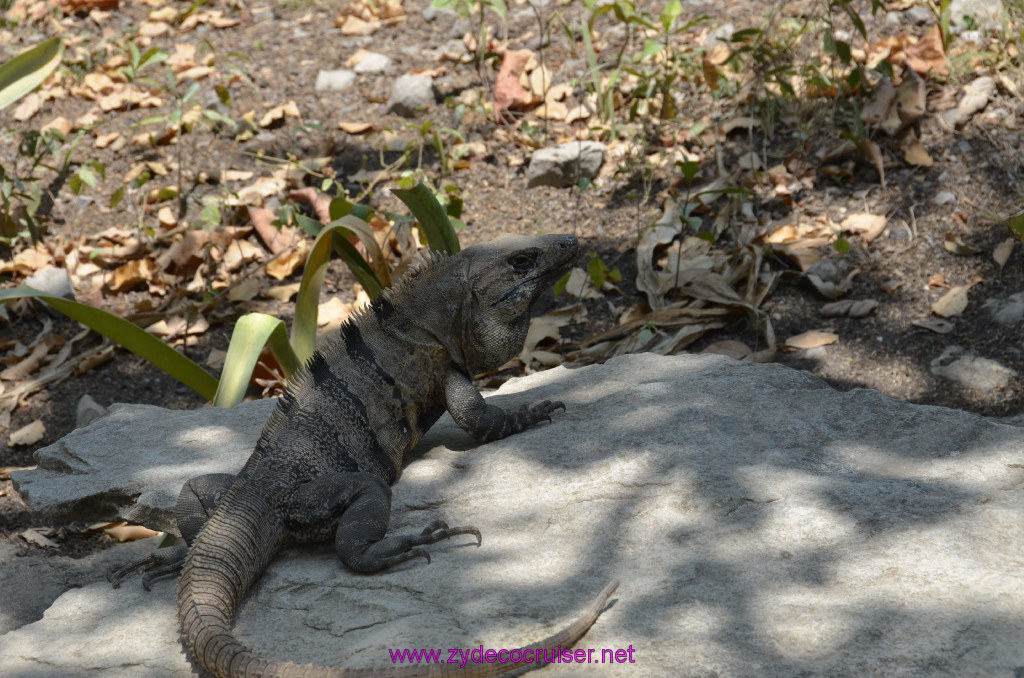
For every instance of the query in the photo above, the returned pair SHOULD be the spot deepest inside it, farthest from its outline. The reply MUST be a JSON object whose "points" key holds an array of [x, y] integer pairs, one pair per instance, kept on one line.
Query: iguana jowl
{"points": [[325, 461]]}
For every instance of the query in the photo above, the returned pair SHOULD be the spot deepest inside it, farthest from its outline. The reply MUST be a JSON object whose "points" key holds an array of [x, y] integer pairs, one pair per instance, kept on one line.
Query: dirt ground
{"points": [[905, 270]]}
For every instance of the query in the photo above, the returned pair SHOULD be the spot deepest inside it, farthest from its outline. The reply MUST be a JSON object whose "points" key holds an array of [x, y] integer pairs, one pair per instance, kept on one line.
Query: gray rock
{"points": [[87, 411], [335, 81], [55, 281], [131, 463], [983, 374], [373, 63], [920, 15], [943, 198], [988, 15], [410, 94], [760, 523], [563, 165], [1007, 311]]}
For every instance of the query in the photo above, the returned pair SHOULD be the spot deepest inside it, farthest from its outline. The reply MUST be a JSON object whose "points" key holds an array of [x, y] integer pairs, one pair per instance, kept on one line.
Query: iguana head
{"points": [[502, 280]]}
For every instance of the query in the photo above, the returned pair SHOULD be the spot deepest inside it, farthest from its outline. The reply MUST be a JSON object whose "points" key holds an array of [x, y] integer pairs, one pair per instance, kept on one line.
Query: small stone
{"points": [[52, 280], [943, 198], [335, 81], [563, 165], [88, 411], [373, 63], [982, 374], [1007, 311], [920, 15], [976, 96], [411, 94]]}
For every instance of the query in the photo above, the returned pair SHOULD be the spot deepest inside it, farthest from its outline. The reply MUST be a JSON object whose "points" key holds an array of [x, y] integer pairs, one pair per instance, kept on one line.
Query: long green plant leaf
{"points": [[134, 338], [251, 333], [431, 216], [331, 237], [23, 73]]}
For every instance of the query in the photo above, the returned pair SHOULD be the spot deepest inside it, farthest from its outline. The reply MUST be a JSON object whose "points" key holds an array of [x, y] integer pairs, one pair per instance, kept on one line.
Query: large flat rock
{"points": [[761, 524]]}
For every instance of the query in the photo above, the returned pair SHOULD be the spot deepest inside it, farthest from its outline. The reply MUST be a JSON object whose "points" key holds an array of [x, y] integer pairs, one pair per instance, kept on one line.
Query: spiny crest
{"points": [[299, 379], [428, 259]]}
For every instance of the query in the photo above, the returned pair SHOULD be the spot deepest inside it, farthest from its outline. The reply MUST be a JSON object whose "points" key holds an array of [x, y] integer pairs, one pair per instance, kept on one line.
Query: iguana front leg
{"points": [[487, 422], [196, 503], [359, 505]]}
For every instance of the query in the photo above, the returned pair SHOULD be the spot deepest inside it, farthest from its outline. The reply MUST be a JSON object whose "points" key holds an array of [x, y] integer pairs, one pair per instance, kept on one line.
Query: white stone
{"points": [[335, 81], [563, 165], [760, 522]]}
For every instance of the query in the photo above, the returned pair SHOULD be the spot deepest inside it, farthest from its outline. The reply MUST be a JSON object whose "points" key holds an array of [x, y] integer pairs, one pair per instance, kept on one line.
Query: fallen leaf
{"points": [[177, 325], [877, 109], [332, 312], [811, 339], [130, 275], [356, 127], [28, 107], [867, 226], [954, 245], [277, 114], [952, 302], [352, 25], [937, 325], [507, 90], [1001, 254], [282, 292], [915, 154], [928, 54], [736, 350], [874, 154], [123, 533], [35, 538], [245, 290], [286, 264], [29, 434]]}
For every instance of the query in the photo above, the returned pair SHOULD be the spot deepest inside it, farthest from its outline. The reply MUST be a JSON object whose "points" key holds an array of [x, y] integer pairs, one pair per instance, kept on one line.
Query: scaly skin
{"points": [[323, 466]]}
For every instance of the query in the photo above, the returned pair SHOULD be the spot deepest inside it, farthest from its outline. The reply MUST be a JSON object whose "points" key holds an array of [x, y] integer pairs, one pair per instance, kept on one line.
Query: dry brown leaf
{"points": [[35, 538], [105, 140], [356, 127], [811, 339], [241, 252], [28, 107], [352, 25], [277, 114], [177, 325], [30, 434], [867, 226], [31, 362], [928, 54], [873, 153], [288, 263], [125, 532], [282, 292], [508, 92], [915, 154], [878, 108], [543, 335], [1001, 254], [952, 303], [552, 110], [954, 245], [245, 290], [332, 312], [152, 29], [736, 350], [130, 275]]}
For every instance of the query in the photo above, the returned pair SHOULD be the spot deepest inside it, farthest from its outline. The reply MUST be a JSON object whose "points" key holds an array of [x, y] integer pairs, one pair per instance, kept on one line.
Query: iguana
{"points": [[324, 463]]}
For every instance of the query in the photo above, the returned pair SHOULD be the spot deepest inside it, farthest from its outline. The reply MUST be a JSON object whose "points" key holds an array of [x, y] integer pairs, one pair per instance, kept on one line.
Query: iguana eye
{"points": [[522, 261]]}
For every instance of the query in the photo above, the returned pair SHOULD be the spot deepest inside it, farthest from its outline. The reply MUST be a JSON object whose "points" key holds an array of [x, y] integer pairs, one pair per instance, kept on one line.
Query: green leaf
{"points": [[673, 8], [23, 73], [117, 196], [251, 333], [689, 168], [431, 217], [1017, 224], [129, 336], [560, 286], [841, 245], [331, 237]]}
